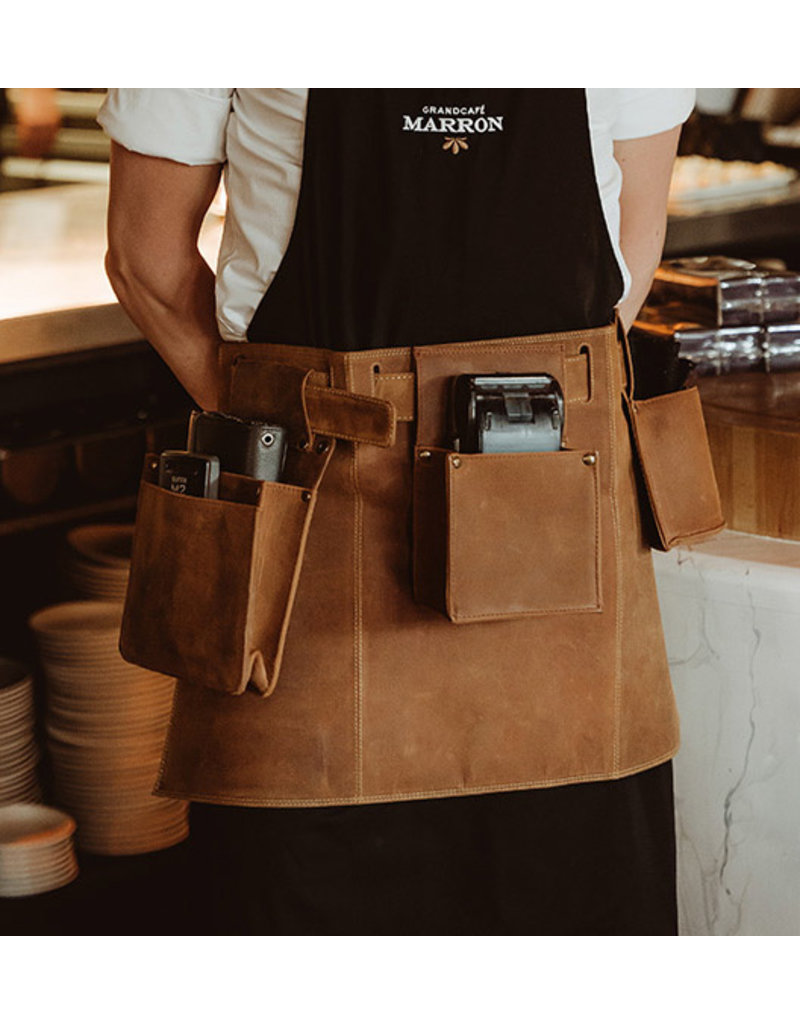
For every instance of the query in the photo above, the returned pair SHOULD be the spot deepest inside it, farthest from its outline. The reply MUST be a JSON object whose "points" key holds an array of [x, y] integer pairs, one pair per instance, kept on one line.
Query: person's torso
{"points": [[549, 139], [427, 216]]}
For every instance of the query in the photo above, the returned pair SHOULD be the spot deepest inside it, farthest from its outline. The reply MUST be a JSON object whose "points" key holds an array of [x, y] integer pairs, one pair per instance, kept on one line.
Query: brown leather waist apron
{"points": [[545, 663]]}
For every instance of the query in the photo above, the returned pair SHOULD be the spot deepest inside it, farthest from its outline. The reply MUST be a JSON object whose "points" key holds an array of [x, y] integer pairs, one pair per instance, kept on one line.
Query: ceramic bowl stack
{"points": [[36, 849], [105, 727], [19, 752], [97, 561]]}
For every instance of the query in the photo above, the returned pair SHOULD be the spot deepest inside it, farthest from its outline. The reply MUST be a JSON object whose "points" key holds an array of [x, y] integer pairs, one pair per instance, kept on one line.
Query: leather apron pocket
{"points": [[504, 535], [213, 581], [680, 497]]}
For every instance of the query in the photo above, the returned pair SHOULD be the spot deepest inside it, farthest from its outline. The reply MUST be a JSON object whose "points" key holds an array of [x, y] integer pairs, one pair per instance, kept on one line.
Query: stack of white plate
{"points": [[105, 726], [19, 752], [36, 851], [97, 561]]}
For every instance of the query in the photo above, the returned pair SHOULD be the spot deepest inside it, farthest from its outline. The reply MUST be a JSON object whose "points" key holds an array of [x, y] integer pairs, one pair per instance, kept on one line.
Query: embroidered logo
{"points": [[454, 123], [455, 145]]}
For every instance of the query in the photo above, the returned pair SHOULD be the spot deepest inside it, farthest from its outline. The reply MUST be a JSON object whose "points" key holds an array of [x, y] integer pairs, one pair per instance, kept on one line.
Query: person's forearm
{"points": [[156, 208], [177, 316], [642, 254], [646, 166]]}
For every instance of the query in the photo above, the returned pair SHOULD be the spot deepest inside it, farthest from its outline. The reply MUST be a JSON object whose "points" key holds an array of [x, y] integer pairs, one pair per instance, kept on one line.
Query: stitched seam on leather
{"points": [[550, 609], [597, 568], [539, 612], [371, 353], [561, 337], [659, 399], [654, 492], [287, 613], [501, 787], [357, 625], [409, 379], [164, 749], [555, 341], [322, 425], [381, 440], [661, 498], [353, 398], [477, 346], [449, 539], [578, 399], [613, 390]]}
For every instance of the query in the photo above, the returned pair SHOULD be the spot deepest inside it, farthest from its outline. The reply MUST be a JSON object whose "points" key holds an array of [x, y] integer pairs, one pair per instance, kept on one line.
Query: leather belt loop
{"points": [[400, 389], [349, 416], [257, 388], [622, 337]]}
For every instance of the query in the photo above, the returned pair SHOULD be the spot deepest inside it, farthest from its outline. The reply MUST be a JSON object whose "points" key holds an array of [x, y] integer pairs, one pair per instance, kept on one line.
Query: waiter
{"points": [[410, 774]]}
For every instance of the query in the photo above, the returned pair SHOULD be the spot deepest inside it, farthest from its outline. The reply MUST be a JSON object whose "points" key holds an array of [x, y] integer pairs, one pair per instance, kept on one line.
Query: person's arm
{"points": [[156, 207], [38, 119], [646, 165]]}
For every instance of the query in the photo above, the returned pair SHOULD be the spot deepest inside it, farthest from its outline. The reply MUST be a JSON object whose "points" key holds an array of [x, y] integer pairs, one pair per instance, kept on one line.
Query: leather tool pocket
{"points": [[213, 581], [508, 534], [676, 472]]}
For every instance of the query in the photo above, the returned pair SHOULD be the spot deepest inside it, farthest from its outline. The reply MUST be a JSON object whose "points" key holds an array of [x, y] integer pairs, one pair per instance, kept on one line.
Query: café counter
{"points": [[82, 395]]}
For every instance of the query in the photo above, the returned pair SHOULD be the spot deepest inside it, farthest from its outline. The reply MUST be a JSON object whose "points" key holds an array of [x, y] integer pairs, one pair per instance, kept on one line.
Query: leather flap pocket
{"points": [[213, 581], [676, 468], [507, 535]]}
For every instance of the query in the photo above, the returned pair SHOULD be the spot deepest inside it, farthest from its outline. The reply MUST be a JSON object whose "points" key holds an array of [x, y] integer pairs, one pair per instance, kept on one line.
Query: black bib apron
{"points": [[428, 216], [402, 237]]}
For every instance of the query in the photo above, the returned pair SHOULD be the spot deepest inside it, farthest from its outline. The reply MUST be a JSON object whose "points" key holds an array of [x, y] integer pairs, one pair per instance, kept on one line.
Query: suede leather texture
{"points": [[672, 445], [212, 581], [383, 698]]}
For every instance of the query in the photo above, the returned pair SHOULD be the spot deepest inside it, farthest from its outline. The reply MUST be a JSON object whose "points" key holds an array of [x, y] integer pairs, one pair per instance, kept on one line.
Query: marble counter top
{"points": [[54, 294], [731, 614]]}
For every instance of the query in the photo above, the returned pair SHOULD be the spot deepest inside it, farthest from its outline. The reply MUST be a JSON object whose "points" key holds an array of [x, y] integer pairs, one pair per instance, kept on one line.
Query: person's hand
{"points": [[205, 393], [37, 120]]}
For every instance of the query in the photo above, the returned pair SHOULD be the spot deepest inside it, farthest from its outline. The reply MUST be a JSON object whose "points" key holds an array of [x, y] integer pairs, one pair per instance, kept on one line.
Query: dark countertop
{"points": [[708, 227]]}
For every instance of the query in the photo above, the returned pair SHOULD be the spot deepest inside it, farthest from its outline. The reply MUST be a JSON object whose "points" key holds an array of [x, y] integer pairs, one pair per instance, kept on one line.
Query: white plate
{"points": [[132, 845], [75, 747], [104, 543], [19, 782], [27, 792], [28, 854], [19, 871], [15, 698], [33, 824], [14, 675], [80, 616], [39, 885]]}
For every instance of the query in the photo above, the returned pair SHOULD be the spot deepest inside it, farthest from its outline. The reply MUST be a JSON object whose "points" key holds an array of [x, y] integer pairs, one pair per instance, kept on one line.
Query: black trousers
{"points": [[590, 859]]}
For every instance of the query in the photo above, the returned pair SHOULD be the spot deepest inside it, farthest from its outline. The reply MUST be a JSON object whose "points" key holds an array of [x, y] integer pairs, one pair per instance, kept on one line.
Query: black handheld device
{"points": [[251, 447], [189, 473], [500, 412]]}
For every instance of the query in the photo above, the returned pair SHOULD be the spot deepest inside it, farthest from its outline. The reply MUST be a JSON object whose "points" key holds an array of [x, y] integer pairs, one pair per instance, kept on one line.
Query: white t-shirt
{"points": [[258, 133]]}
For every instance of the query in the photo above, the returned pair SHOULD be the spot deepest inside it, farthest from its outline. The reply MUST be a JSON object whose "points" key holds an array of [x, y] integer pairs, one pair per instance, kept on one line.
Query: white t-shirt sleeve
{"points": [[642, 112], [185, 125], [618, 114]]}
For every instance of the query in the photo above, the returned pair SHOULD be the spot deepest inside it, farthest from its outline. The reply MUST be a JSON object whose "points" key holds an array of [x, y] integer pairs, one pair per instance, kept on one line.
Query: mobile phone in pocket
{"points": [[184, 472]]}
